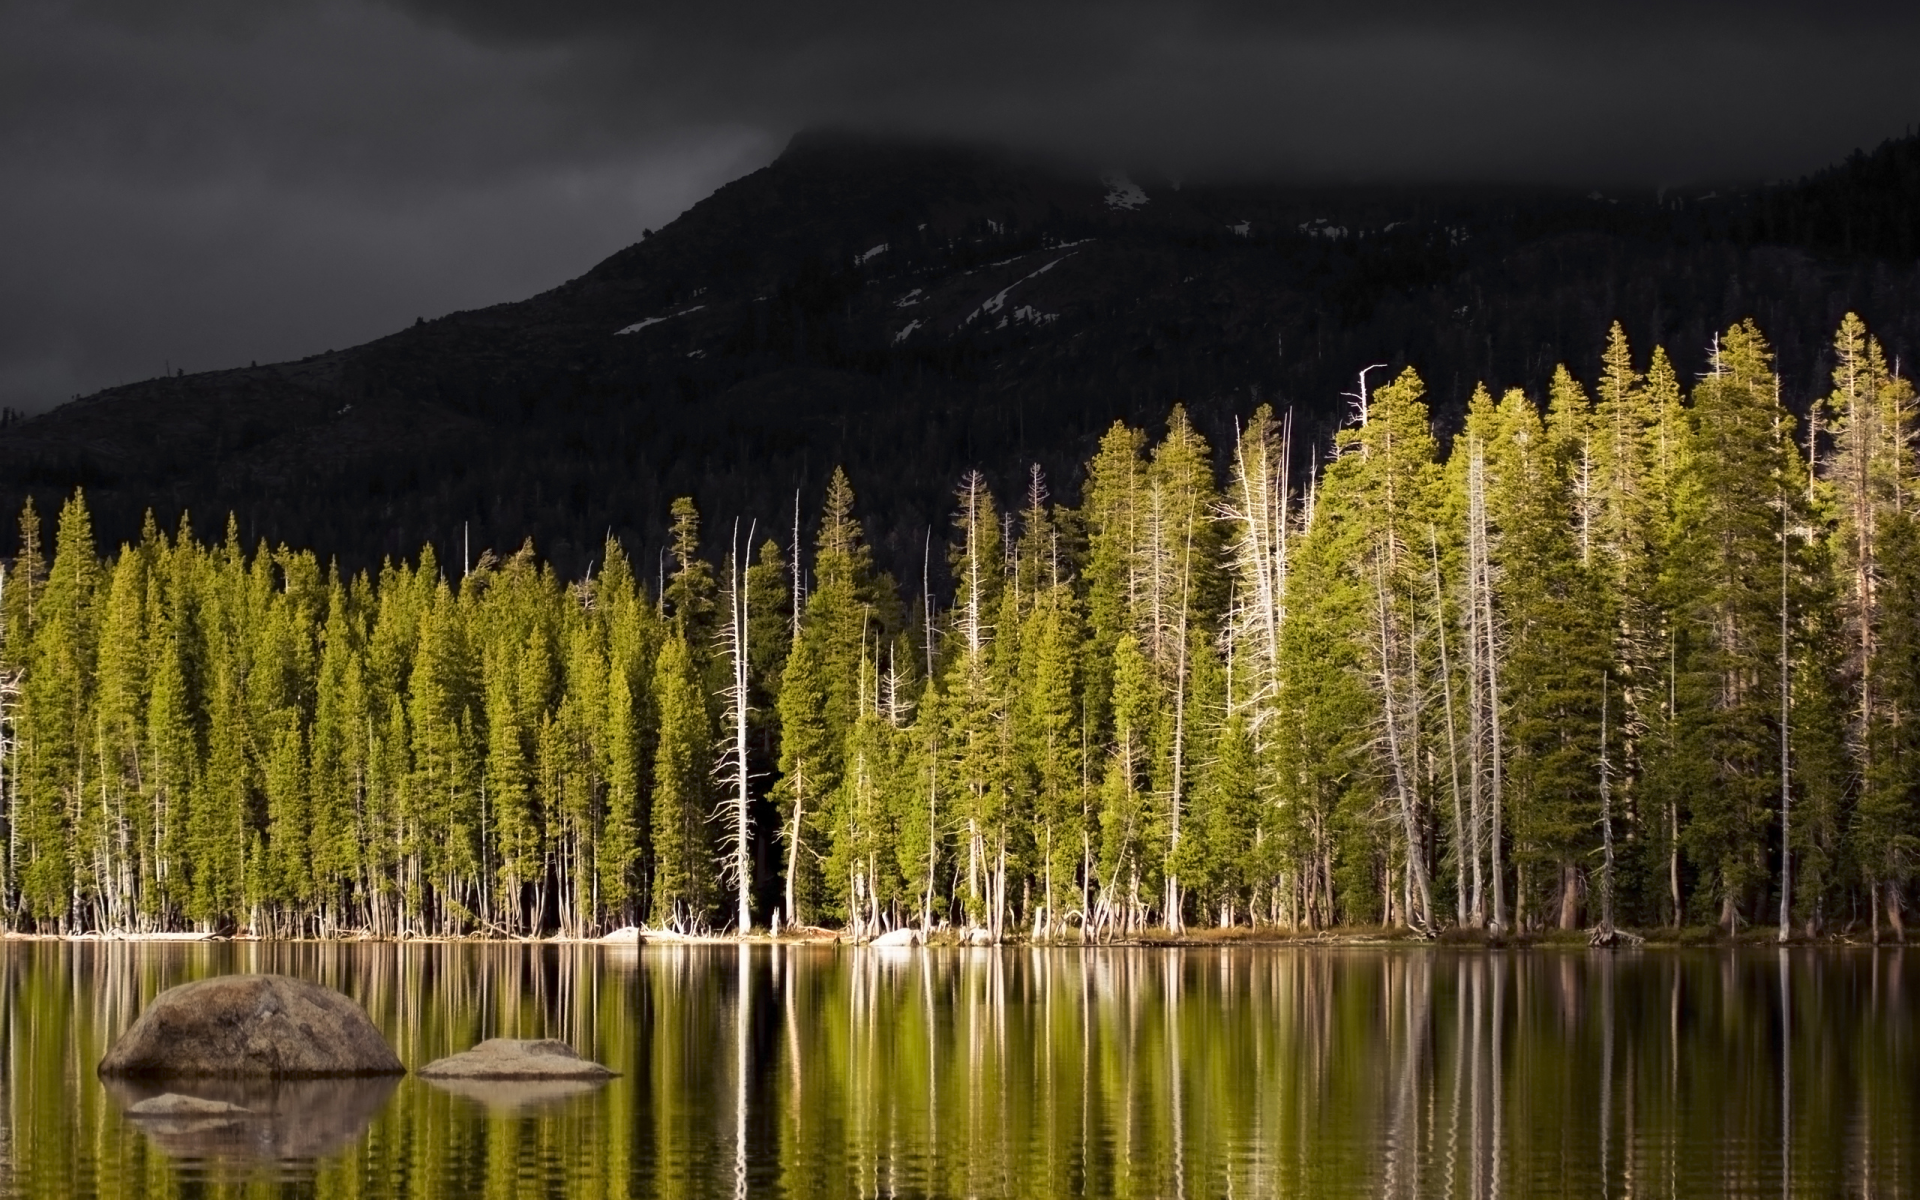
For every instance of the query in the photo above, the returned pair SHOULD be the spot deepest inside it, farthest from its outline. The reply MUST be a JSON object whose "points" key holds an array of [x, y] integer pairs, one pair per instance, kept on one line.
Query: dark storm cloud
{"points": [[203, 187], [1613, 92], [205, 182]]}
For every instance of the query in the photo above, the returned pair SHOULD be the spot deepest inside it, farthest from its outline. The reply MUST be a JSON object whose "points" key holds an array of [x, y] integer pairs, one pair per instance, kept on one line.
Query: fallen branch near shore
{"points": [[1607, 936]]}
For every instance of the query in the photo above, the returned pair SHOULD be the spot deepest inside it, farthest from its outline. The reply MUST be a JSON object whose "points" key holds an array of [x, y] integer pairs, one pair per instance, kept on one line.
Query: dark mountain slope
{"points": [[912, 311]]}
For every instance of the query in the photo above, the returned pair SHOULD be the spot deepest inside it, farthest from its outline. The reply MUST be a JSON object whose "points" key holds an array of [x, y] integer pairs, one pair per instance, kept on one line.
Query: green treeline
{"points": [[1642, 654]]}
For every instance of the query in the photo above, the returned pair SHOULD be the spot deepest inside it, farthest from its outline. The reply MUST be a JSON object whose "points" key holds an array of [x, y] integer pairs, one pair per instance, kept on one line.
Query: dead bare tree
{"points": [[737, 813]]}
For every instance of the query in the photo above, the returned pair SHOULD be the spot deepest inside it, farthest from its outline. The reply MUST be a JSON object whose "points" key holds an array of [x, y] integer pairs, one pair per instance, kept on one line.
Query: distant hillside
{"points": [[911, 311]]}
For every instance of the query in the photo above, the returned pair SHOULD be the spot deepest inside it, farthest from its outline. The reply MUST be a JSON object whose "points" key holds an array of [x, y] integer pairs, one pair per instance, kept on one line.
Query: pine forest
{"points": [[1632, 652]]}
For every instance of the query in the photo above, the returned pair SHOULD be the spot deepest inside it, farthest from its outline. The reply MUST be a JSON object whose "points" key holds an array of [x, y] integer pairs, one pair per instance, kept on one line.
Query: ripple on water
{"points": [[821, 1073]]}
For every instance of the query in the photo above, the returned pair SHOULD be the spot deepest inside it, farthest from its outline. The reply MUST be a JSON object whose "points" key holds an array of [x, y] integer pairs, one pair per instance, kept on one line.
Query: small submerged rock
{"points": [[516, 1058], [173, 1104]]}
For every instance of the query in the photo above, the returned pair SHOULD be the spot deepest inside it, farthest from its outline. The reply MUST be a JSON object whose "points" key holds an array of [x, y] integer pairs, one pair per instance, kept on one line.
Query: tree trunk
{"points": [[1399, 745], [1569, 896]]}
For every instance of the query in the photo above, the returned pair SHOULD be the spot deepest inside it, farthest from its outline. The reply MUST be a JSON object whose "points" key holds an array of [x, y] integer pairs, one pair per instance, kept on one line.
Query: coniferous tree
{"points": [[1322, 754], [54, 813], [173, 751], [683, 855], [1112, 512], [1123, 816], [1260, 537], [1050, 724], [806, 778], [1886, 827], [977, 736], [1666, 776], [1870, 481], [689, 592], [1560, 640], [125, 824], [1722, 587], [519, 850], [1183, 586], [770, 637], [1372, 510], [1610, 649]]}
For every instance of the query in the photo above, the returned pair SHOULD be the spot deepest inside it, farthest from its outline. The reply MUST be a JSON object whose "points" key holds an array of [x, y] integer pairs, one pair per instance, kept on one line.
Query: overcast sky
{"points": [[203, 183]]}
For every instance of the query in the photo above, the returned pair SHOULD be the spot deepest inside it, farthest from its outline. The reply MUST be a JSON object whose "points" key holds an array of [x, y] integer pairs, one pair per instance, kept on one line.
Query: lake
{"points": [[822, 1071]]}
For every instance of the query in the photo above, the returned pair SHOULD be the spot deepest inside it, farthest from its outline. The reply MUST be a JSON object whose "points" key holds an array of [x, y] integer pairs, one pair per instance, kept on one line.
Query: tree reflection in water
{"points": [[823, 1071]]}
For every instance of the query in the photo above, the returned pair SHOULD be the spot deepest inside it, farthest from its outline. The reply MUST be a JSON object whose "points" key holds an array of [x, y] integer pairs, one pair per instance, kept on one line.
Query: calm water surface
{"points": [[771, 1071]]}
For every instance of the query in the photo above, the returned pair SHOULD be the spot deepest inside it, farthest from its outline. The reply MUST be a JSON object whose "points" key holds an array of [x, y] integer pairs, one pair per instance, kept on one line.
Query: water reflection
{"points": [[814, 1071], [284, 1121], [517, 1096]]}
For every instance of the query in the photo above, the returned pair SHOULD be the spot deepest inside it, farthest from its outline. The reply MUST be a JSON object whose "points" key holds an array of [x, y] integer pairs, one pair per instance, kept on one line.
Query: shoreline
{"points": [[1683, 938]]}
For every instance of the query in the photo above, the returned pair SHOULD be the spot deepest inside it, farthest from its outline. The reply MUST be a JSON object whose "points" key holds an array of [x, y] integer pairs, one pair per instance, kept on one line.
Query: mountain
{"points": [[913, 310]]}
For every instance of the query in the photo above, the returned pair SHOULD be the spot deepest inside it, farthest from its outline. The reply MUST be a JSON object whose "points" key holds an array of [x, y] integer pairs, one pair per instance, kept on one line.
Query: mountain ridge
{"points": [[911, 310]]}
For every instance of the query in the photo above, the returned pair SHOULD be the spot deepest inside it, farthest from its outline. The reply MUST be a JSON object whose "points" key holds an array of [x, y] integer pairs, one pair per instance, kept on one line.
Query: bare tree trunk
{"points": [[1176, 801], [793, 841], [1000, 892], [1606, 819], [1453, 752], [1673, 803], [933, 801], [1786, 793], [1569, 896], [1397, 752], [1476, 744], [1477, 521], [739, 862]]}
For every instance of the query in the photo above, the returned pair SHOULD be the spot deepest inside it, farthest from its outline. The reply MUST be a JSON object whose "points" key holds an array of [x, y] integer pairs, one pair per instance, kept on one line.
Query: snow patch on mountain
{"points": [[997, 301], [1122, 192], [1244, 228], [637, 326], [902, 335], [874, 253], [909, 300]]}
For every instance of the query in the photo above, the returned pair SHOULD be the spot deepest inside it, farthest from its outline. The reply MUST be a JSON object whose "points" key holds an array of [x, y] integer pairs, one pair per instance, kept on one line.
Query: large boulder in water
{"points": [[516, 1058], [251, 1027]]}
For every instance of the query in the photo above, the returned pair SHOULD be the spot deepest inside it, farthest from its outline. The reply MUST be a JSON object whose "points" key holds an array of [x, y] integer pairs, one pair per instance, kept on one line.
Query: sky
{"points": [[206, 183]]}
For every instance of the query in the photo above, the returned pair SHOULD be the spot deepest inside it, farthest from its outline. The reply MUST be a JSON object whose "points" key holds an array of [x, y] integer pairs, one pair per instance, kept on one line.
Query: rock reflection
{"points": [[287, 1121], [516, 1097]]}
